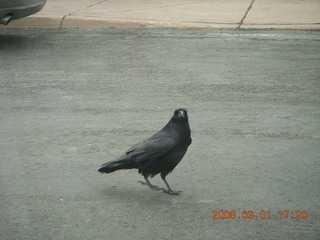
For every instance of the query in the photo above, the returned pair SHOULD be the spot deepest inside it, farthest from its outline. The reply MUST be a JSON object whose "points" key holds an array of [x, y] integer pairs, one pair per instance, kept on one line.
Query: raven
{"points": [[160, 153]]}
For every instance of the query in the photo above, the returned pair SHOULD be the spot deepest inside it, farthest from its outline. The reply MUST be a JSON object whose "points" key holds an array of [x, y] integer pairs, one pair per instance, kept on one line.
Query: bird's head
{"points": [[178, 127], [180, 115]]}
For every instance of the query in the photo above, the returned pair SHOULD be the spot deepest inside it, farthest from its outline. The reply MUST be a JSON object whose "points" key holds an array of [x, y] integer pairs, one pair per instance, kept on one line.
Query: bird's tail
{"points": [[124, 162]]}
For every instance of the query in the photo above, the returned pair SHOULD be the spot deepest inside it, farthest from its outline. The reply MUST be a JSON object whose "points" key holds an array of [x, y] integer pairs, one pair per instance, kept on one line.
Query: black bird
{"points": [[160, 153]]}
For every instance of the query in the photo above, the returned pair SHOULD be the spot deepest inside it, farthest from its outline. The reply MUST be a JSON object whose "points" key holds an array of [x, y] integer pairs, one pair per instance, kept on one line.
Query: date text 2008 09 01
{"points": [[249, 214]]}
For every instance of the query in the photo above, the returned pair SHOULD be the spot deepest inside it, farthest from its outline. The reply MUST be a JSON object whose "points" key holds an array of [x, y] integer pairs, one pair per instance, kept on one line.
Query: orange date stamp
{"points": [[249, 214]]}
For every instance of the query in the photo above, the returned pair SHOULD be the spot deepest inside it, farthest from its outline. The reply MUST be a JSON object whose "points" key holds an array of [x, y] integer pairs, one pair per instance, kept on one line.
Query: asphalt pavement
{"points": [[71, 100]]}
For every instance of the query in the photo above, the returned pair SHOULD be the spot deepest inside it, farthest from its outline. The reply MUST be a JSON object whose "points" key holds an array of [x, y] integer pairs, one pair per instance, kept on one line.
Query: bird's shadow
{"points": [[139, 194]]}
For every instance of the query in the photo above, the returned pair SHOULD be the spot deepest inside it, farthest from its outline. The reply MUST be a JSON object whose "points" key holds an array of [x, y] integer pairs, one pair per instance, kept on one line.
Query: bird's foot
{"points": [[153, 187], [171, 192]]}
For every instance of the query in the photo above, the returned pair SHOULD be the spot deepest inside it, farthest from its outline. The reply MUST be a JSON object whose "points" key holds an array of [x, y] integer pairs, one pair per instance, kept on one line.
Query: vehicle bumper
{"points": [[17, 12]]}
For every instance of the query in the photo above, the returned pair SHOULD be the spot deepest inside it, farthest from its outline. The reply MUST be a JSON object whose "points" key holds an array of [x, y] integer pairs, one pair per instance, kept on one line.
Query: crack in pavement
{"points": [[69, 14], [245, 15], [128, 10]]}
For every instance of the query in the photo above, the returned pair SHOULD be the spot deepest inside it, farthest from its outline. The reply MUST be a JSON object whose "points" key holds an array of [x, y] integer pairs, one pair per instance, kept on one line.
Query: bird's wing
{"points": [[151, 149]]}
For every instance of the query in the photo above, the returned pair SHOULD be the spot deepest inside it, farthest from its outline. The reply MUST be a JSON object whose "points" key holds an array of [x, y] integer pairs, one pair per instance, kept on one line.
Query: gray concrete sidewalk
{"points": [[243, 14]]}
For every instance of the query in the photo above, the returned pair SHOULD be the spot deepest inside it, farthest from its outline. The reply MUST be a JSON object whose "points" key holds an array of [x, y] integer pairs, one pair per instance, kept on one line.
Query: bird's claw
{"points": [[171, 192], [154, 187]]}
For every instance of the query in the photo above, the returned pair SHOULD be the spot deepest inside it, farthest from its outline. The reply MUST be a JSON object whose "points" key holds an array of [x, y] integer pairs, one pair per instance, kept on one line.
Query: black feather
{"points": [[160, 153]]}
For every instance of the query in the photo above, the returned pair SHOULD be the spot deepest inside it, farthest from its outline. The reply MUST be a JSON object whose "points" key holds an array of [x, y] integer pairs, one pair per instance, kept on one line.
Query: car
{"points": [[15, 9]]}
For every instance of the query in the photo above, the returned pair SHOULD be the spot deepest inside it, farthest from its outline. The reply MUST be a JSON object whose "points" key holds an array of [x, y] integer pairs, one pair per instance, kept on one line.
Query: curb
{"points": [[39, 22]]}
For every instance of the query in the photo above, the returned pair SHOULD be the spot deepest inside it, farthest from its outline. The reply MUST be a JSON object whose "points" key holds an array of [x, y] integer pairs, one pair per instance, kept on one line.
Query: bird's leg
{"points": [[169, 190], [153, 187]]}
